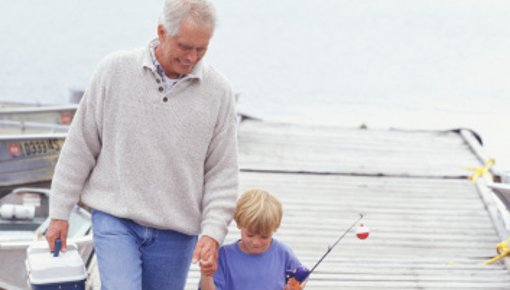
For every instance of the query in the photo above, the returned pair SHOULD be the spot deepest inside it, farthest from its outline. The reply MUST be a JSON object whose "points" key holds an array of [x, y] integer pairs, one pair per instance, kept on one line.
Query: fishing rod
{"points": [[299, 275]]}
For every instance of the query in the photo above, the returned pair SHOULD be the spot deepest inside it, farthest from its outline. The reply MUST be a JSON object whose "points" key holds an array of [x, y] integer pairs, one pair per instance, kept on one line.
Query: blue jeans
{"points": [[132, 256]]}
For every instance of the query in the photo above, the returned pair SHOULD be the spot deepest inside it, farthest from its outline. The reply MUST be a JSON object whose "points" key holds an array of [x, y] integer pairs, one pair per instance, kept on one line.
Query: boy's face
{"points": [[254, 244]]}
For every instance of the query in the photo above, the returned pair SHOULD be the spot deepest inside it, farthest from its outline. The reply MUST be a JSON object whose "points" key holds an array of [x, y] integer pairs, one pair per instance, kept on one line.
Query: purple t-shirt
{"points": [[238, 270]]}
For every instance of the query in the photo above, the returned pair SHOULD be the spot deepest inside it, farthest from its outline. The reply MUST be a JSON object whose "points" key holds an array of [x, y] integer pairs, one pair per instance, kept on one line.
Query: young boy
{"points": [[256, 261]]}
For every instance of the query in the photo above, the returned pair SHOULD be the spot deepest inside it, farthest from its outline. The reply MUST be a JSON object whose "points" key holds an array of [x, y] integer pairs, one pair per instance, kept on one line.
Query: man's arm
{"points": [[221, 175], [76, 161]]}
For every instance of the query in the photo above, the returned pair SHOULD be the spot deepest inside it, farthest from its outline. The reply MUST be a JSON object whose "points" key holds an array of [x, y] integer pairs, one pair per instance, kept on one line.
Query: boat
{"points": [[23, 221], [50, 114], [31, 137], [28, 153]]}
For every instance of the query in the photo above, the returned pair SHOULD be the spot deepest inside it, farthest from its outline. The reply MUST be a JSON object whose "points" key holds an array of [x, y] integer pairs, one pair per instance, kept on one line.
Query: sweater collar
{"points": [[147, 62]]}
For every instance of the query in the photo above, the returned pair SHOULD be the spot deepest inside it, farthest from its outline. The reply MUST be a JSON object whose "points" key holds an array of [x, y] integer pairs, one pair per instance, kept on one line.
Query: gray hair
{"points": [[200, 12]]}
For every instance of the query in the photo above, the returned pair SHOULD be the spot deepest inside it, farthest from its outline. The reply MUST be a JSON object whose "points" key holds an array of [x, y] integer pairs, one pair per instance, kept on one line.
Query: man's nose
{"points": [[192, 56]]}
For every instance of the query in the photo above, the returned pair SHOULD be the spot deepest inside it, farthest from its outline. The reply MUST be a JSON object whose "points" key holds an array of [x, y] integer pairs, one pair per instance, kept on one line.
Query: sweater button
{"points": [[158, 81], [160, 89], [165, 99]]}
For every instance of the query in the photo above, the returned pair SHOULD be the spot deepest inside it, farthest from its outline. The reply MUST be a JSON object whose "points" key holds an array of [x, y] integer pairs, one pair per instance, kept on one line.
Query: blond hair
{"points": [[258, 212]]}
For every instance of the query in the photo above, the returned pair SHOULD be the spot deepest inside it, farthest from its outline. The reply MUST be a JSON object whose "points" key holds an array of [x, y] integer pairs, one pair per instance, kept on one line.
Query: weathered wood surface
{"points": [[430, 227], [425, 233], [318, 149]]}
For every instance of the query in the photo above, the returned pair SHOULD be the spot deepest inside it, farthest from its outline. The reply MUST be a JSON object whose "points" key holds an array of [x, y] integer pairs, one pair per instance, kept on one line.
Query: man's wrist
{"points": [[215, 242]]}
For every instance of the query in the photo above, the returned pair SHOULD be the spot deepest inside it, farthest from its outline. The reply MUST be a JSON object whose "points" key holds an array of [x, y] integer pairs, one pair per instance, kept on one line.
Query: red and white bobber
{"points": [[362, 232]]}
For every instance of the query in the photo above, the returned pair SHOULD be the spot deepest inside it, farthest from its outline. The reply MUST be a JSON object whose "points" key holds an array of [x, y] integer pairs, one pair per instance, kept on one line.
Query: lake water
{"points": [[403, 64]]}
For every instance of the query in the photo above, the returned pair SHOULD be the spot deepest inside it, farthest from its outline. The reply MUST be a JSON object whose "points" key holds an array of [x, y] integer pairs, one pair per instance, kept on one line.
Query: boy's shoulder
{"points": [[281, 245]]}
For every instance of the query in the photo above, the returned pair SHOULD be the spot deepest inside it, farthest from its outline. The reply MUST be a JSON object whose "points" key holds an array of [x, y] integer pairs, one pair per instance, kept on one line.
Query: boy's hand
{"points": [[292, 286], [206, 253]]}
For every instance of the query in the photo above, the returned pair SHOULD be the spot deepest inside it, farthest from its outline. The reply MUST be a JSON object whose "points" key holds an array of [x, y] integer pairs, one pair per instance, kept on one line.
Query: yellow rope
{"points": [[502, 249], [480, 171]]}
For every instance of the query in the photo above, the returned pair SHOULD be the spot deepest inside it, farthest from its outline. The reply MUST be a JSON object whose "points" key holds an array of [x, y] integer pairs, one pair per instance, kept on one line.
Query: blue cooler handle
{"points": [[58, 246]]}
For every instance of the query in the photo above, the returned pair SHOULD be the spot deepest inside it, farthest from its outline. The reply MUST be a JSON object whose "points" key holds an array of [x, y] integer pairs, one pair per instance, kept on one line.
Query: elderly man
{"points": [[152, 150]]}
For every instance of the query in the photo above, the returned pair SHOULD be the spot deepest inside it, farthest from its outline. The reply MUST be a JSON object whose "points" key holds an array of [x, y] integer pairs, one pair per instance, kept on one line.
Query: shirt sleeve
{"points": [[221, 175], [292, 261], [80, 151]]}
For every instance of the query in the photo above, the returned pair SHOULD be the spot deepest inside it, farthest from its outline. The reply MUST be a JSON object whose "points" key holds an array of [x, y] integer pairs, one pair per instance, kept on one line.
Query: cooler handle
{"points": [[58, 246]]}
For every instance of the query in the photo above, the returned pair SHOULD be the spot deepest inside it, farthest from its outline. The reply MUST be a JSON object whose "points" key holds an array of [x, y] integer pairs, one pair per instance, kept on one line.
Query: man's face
{"points": [[179, 54]]}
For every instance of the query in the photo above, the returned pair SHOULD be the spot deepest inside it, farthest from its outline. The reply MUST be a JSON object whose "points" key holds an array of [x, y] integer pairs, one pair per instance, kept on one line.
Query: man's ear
{"points": [[161, 31]]}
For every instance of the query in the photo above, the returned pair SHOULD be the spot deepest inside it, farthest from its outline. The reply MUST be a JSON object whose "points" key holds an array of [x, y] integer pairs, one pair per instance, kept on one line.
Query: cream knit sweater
{"points": [[162, 159]]}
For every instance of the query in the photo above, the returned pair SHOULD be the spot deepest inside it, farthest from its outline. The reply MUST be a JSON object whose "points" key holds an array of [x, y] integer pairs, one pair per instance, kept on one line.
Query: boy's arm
{"points": [[207, 283]]}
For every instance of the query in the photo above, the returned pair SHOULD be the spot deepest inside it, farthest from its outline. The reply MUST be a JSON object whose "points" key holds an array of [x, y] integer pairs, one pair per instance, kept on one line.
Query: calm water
{"points": [[405, 64]]}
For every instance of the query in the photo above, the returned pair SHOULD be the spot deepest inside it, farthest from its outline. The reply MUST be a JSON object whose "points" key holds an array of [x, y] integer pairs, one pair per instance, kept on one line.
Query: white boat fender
{"points": [[17, 211]]}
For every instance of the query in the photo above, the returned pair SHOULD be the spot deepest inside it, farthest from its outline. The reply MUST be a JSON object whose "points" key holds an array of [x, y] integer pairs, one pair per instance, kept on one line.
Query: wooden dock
{"points": [[431, 227]]}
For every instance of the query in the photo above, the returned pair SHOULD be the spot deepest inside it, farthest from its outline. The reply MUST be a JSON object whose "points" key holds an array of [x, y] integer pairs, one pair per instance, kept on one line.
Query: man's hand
{"points": [[57, 230], [206, 253]]}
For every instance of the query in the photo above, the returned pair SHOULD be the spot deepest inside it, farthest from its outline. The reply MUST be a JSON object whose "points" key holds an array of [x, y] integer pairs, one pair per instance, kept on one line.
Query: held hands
{"points": [[206, 254], [57, 230]]}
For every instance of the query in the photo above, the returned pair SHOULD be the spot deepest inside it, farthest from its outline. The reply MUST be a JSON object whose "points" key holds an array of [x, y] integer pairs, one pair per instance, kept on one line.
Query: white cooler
{"points": [[46, 272]]}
